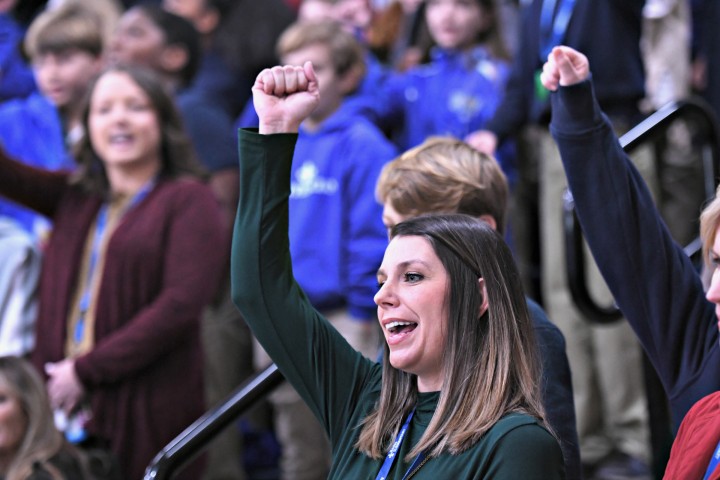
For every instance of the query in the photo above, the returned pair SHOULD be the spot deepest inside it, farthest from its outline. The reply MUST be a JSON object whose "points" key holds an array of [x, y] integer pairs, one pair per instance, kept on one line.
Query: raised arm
{"points": [[318, 362], [654, 283]]}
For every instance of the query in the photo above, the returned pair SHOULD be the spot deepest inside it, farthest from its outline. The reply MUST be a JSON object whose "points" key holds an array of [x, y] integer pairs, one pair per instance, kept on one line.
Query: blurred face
{"points": [[713, 292], [63, 77], [329, 83], [7, 5], [190, 9], [13, 421], [353, 15], [196, 11], [455, 24], [123, 126], [137, 40], [412, 308]]}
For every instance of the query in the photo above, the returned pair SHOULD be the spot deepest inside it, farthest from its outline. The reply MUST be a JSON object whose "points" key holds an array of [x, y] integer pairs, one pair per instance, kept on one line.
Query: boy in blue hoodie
{"points": [[65, 47], [335, 223]]}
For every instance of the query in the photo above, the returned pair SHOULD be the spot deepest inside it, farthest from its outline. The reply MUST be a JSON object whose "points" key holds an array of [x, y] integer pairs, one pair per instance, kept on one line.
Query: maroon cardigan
{"points": [[163, 264]]}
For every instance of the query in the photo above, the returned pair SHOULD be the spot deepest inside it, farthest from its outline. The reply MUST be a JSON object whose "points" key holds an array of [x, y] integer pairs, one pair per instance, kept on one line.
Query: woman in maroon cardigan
{"points": [[136, 252]]}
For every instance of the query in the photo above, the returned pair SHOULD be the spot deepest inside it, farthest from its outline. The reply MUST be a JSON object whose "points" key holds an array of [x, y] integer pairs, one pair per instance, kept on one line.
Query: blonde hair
{"points": [[41, 440], [70, 26], [346, 53], [709, 223], [445, 175]]}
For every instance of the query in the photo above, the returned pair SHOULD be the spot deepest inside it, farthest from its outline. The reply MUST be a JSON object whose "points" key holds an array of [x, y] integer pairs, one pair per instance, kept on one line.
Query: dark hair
{"points": [[490, 364], [178, 31], [178, 157]]}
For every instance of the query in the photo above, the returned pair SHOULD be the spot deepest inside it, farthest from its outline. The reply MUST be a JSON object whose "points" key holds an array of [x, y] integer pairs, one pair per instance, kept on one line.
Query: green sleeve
{"points": [[316, 360]]}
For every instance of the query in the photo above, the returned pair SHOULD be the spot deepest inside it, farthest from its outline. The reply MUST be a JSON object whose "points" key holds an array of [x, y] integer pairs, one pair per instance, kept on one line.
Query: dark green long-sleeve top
{"points": [[340, 385]]}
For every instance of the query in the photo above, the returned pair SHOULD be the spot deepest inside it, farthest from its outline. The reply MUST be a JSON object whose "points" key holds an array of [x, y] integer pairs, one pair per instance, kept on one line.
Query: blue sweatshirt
{"points": [[456, 94], [654, 283], [337, 238], [16, 76], [31, 131]]}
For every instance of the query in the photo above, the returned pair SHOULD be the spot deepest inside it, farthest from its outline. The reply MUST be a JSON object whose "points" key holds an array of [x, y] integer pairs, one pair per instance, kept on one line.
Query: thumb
{"points": [[309, 71], [564, 65]]}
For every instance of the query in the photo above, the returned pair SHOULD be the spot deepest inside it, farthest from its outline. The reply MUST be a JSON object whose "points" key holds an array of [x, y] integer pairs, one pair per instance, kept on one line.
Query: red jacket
{"points": [[696, 441], [163, 265]]}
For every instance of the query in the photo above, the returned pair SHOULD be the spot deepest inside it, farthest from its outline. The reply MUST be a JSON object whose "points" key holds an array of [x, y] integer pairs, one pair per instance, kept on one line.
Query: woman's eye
{"points": [[715, 260], [413, 277]]}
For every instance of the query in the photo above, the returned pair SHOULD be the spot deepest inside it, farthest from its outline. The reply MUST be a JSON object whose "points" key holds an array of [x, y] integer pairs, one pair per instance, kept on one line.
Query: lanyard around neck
{"points": [[392, 453], [98, 240], [553, 25]]}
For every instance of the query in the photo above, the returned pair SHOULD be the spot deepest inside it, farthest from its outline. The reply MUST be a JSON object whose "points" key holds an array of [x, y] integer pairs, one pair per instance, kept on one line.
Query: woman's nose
{"points": [[713, 293]]}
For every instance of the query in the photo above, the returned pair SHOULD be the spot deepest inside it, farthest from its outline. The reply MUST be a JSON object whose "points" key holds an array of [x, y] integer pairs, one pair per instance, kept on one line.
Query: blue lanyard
{"points": [[553, 31], [714, 461], [387, 464], [100, 231]]}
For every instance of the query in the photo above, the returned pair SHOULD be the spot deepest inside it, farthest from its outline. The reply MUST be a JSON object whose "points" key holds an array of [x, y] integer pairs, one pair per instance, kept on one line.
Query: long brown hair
{"points": [[178, 156], [490, 364], [41, 440]]}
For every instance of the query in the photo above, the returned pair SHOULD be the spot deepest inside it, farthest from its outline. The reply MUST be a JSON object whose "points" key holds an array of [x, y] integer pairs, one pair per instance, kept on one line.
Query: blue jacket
{"points": [[337, 238], [654, 283], [31, 131], [16, 77], [456, 94]]}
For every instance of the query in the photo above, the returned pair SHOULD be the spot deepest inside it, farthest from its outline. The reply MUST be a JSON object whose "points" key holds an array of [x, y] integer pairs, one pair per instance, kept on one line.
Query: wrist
{"points": [[278, 126]]}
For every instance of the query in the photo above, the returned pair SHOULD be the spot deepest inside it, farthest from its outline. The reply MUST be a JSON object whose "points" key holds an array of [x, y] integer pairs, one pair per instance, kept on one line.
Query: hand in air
{"points": [[284, 96], [564, 67]]}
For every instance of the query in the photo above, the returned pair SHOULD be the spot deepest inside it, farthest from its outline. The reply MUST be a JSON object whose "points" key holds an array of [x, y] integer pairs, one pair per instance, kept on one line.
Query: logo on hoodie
{"points": [[308, 182]]}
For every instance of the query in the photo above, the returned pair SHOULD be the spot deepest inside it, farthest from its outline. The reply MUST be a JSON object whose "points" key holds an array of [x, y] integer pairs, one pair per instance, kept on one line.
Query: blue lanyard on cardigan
{"points": [[387, 464], [714, 461], [100, 231], [553, 31]]}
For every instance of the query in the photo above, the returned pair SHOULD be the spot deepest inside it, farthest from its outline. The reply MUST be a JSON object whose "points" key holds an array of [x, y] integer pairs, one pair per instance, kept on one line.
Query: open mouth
{"points": [[396, 328]]}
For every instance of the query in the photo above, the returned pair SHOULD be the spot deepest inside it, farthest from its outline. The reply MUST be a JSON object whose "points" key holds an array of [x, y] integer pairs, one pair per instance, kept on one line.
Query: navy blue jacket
{"points": [[654, 283], [608, 32]]}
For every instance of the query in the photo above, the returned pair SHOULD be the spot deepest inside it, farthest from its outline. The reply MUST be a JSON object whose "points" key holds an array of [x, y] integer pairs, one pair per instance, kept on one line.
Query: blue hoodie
{"points": [[455, 94], [337, 238], [31, 131], [16, 76]]}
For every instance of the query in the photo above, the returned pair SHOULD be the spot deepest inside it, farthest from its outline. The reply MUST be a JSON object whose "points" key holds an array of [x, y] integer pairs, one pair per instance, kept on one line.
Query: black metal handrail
{"points": [[647, 131], [186, 446]]}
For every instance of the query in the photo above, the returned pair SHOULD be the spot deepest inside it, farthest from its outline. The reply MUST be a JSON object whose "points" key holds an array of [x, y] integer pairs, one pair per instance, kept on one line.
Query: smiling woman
{"points": [[135, 255], [456, 395]]}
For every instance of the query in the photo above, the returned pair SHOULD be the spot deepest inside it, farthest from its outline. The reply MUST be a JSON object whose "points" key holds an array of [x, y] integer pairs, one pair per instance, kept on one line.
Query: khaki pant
{"points": [[606, 361], [227, 343]]}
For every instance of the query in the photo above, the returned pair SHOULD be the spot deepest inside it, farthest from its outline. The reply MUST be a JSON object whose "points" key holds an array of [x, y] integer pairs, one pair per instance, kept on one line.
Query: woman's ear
{"points": [[483, 292]]}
